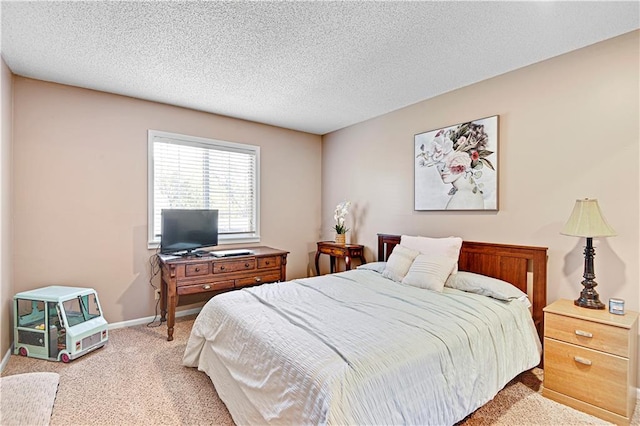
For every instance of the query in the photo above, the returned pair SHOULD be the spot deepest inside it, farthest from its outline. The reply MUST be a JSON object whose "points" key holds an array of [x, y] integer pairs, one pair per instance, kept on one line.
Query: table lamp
{"points": [[586, 220]]}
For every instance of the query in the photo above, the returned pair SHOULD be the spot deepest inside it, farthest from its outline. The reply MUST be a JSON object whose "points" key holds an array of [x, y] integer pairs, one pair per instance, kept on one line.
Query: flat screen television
{"points": [[183, 231]]}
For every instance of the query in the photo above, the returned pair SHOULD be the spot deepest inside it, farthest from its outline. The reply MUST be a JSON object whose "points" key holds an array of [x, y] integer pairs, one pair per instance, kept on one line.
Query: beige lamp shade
{"points": [[586, 220]]}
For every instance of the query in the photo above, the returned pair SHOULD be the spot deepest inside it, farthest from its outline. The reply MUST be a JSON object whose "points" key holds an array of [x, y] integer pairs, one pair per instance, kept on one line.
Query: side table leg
{"points": [[317, 263], [332, 263], [347, 261]]}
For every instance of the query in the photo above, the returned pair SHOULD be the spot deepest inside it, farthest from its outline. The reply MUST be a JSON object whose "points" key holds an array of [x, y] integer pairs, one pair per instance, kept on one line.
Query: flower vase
{"points": [[341, 239]]}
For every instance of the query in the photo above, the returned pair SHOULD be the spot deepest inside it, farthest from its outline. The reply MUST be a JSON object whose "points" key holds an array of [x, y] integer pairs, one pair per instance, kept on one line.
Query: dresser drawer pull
{"points": [[222, 268], [246, 265], [582, 360], [206, 286], [258, 279], [584, 333], [197, 269]]}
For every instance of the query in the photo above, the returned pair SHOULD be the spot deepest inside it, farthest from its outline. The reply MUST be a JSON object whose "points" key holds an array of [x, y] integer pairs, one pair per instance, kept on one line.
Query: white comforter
{"points": [[358, 348]]}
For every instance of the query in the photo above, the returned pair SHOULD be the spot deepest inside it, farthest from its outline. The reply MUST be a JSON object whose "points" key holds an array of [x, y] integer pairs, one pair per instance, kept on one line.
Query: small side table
{"points": [[334, 250]]}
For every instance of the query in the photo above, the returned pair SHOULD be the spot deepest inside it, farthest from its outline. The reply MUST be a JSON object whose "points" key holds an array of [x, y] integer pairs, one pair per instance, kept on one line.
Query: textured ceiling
{"points": [[309, 66]]}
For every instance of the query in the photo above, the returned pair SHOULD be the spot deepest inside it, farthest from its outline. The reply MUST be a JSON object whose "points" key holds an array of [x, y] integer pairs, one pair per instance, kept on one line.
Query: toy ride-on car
{"points": [[58, 323]]}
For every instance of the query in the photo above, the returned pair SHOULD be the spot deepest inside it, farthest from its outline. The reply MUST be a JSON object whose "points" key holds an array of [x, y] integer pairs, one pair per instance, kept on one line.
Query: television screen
{"points": [[188, 230]]}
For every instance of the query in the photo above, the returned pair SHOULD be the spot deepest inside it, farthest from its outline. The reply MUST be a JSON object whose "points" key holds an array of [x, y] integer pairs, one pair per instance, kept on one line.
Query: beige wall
{"points": [[6, 285], [80, 189], [569, 128]]}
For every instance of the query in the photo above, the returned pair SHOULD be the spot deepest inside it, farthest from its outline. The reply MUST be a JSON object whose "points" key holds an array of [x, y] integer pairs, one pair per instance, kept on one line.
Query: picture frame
{"points": [[456, 167]]}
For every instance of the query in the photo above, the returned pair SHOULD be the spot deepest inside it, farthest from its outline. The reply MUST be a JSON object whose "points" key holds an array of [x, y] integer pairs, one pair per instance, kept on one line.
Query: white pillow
{"points": [[373, 266], [448, 247], [486, 286], [429, 272], [399, 263]]}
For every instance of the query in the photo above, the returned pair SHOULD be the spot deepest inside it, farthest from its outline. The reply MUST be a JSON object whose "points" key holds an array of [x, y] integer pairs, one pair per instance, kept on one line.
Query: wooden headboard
{"points": [[503, 261]]}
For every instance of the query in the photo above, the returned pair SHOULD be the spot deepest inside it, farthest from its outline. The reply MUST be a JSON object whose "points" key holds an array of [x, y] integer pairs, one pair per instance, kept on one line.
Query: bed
{"points": [[358, 348]]}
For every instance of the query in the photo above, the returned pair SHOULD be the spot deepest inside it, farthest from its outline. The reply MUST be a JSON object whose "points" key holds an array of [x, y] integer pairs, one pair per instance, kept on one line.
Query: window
{"points": [[191, 172], [30, 313]]}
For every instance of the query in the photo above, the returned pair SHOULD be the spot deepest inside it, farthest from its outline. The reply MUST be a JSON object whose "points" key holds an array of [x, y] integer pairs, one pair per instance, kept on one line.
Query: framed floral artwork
{"points": [[456, 167]]}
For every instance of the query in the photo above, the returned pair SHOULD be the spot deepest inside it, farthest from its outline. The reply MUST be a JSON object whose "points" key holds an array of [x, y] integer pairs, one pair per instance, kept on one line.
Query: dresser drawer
{"points": [[205, 287], [197, 269], [268, 262], [598, 336], [258, 279], [235, 266], [591, 376]]}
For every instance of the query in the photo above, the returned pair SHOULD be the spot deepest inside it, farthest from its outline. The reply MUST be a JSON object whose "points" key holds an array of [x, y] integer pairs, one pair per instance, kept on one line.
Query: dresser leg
{"points": [[163, 300], [171, 317]]}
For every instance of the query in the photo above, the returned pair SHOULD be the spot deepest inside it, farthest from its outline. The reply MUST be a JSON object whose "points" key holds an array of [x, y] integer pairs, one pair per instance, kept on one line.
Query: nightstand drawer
{"points": [[334, 251], [598, 336], [594, 377], [235, 266]]}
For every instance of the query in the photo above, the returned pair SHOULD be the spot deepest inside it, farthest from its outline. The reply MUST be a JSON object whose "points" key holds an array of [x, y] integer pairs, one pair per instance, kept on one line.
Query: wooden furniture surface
{"points": [[209, 275], [343, 251], [511, 263], [590, 360]]}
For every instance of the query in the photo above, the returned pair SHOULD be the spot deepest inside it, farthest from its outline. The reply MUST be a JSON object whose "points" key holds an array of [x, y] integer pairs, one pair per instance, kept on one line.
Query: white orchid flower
{"points": [[342, 210]]}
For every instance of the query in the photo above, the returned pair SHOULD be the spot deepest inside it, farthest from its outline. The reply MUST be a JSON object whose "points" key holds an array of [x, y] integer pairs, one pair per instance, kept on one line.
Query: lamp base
{"points": [[589, 299]]}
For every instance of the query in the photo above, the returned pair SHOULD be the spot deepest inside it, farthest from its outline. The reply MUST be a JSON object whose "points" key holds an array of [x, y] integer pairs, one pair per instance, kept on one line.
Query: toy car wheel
{"points": [[65, 358], [23, 351]]}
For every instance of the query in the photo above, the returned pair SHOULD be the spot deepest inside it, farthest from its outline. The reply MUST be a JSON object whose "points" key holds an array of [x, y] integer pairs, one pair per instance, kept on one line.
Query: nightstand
{"points": [[591, 360], [335, 250]]}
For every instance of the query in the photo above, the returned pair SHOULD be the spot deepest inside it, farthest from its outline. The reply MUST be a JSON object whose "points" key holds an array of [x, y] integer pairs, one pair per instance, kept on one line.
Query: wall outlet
{"points": [[157, 293]]}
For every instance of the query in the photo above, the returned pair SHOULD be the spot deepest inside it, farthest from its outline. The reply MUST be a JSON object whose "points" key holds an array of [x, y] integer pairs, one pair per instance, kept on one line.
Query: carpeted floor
{"points": [[138, 379]]}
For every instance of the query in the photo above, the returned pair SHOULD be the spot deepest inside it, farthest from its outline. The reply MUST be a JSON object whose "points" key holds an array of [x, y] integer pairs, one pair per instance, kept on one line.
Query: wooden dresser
{"points": [[590, 360], [207, 276]]}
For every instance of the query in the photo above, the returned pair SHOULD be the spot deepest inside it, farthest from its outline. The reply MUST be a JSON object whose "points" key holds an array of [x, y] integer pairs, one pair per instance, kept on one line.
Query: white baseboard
{"points": [[113, 326], [147, 320], [5, 358]]}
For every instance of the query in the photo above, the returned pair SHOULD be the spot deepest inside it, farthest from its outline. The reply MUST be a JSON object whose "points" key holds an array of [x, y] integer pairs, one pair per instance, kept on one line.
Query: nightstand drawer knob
{"points": [[584, 333], [258, 279], [206, 286], [582, 360]]}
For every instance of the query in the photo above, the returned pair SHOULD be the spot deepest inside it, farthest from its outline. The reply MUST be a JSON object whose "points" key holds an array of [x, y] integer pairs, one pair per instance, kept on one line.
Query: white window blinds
{"points": [[191, 172]]}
